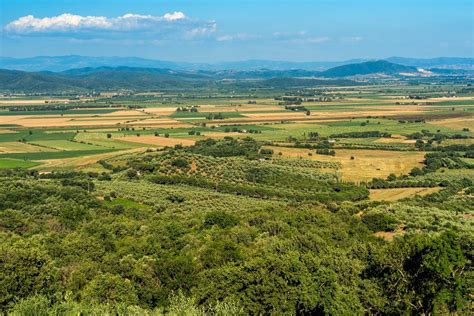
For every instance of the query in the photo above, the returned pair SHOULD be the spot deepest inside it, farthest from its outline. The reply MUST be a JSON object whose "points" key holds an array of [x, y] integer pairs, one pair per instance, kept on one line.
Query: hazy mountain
{"points": [[368, 68], [249, 65], [104, 78], [61, 63], [14, 80], [440, 62], [147, 79]]}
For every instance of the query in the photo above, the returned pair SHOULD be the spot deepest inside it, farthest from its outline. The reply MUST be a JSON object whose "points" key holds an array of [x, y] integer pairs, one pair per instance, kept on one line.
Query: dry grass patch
{"points": [[158, 140], [279, 116], [19, 147], [398, 139], [155, 121], [399, 193], [455, 123], [441, 99], [126, 113], [7, 131], [220, 135], [161, 111]]}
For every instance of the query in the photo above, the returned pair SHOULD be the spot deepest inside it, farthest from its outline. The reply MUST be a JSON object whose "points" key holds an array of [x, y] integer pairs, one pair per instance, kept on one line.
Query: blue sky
{"points": [[210, 30]]}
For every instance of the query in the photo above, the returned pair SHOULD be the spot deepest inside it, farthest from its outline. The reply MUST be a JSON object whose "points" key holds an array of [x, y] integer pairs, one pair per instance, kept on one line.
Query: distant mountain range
{"points": [[62, 63], [147, 79]]}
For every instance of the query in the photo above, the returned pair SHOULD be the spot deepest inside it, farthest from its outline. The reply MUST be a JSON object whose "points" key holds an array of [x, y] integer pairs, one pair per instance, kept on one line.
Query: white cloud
{"points": [[71, 25], [174, 16], [236, 37], [225, 38], [208, 29], [301, 37], [314, 40], [353, 39]]}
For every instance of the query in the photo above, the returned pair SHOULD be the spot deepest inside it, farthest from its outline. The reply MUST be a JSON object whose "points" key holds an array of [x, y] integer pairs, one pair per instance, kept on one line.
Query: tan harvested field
{"points": [[367, 164], [219, 135], [19, 147], [158, 140], [158, 122], [456, 123], [398, 139], [57, 121], [166, 125], [399, 193], [125, 113], [452, 99], [279, 115]]}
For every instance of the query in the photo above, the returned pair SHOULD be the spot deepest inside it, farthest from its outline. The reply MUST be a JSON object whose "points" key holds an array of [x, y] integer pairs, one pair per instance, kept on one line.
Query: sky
{"points": [[231, 30]]}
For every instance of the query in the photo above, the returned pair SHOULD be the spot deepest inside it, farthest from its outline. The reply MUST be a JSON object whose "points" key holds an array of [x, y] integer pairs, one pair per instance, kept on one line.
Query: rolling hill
{"points": [[148, 79], [368, 68]]}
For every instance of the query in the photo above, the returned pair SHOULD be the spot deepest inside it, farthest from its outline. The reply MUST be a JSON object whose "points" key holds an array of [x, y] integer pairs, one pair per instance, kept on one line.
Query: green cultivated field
{"points": [[13, 163], [55, 154]]}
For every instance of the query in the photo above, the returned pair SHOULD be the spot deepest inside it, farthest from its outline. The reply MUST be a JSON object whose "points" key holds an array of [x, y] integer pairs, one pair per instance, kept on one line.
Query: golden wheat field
{"points": [[399, 193], [365, 165]]}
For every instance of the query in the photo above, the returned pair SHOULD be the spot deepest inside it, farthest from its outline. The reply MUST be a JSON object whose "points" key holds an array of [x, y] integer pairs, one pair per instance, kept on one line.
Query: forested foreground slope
{"points": [[146, 239]]}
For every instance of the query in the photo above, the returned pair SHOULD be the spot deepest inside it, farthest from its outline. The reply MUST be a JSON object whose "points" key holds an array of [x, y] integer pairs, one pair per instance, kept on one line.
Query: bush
{"points": [[380, 221], [131, 173], [180, 163], [416, 172], [264, 151], [221, 219]]}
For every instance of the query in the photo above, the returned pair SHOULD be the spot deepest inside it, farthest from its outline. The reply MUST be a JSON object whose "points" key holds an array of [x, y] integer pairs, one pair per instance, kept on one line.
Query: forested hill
{"points": [[367, 68], [147, 79]]}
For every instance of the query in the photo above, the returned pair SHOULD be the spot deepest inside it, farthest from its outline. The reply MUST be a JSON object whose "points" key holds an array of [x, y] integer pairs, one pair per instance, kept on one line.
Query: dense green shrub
{"points": [[221, 219], [380, 221]]}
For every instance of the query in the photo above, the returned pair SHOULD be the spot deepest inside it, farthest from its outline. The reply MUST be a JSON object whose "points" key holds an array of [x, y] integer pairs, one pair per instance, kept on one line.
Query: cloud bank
{"points": [[72, 25], [142, 29]]}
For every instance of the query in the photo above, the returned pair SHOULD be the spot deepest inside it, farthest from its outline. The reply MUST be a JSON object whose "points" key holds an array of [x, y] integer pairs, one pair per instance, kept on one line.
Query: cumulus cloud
{"points": [[237, 37], [72, 25]]}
